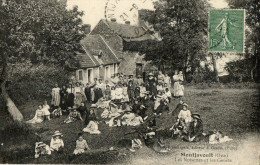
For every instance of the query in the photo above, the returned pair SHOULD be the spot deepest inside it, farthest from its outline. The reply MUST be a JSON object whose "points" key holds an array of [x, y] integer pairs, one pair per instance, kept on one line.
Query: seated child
{"points": [[57, 112], [73, 116], [81, 145], [92, 127], [46, 109], [57, 143], [39, 116], [41, 149], [137, 92], [179, 128], [218, 137], [157, 100]]}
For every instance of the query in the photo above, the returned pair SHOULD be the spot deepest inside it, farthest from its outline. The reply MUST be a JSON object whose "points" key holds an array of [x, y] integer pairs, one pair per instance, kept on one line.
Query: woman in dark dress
{"points": [[63, 95], [71, 96], [88, 92]]}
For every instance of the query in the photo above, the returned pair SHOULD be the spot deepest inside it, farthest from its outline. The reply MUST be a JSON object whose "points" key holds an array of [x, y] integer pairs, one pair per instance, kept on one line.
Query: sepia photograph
{"points": [[132, 82]]}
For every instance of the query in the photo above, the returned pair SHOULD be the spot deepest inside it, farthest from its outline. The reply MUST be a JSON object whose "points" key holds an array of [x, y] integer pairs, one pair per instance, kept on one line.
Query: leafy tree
{"points": [[252, 36], [182, 25], [43, 31]]}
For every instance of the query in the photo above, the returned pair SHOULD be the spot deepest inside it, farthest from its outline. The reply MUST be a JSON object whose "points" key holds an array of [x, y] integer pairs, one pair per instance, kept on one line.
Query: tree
{"points": [[252, 39], [39, 30], [182, 25]]}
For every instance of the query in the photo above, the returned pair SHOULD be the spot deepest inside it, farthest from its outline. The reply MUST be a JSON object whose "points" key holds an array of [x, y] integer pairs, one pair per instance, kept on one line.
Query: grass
{"points": [[230, 110]]}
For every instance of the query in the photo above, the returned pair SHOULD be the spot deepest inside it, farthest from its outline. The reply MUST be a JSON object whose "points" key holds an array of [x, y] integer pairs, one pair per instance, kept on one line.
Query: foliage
{"points": [[252, 39], [240, 70], [182, 25], [28, 81], [40, 30]]}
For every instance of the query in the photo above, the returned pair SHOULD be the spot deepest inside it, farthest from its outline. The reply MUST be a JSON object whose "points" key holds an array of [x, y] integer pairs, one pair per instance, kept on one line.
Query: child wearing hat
{"points": [[41, 149], [185, 114], [81, 145], [73, 116], [57, 143]]}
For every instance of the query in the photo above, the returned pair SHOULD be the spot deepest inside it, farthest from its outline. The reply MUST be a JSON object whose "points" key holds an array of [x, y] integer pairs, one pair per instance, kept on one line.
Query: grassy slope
{"points": [[228, 110]]}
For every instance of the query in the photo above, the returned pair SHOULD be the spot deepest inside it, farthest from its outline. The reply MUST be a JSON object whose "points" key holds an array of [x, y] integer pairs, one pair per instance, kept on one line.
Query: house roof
{"points": [[98, 52], [130, 32]]}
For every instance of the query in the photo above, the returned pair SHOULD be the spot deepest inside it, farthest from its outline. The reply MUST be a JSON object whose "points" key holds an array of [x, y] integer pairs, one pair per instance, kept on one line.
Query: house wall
{"points": [[84, 74]]}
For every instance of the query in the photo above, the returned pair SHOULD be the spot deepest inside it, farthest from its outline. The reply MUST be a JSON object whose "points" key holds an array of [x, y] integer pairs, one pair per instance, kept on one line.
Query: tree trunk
{"points": [[11, 107], [215, 67]]}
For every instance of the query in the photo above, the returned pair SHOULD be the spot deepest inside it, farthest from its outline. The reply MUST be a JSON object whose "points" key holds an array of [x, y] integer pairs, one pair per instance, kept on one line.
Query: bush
{"points": [[28, 81]]}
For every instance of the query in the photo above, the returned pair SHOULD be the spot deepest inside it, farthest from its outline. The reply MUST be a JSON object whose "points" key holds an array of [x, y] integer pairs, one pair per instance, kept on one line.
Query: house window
{"points": [[80, 75]]}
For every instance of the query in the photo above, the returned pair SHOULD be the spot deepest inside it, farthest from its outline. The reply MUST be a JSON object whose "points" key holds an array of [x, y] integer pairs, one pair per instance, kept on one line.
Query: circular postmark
{"points": [[122, 18]]}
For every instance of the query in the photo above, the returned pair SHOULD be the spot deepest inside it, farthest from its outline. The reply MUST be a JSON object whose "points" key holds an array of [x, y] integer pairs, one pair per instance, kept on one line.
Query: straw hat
{"points": [[57, 133], [150, 74], [41, 144], [142, 106], [93, 106], [185, 104], [196, 116]]}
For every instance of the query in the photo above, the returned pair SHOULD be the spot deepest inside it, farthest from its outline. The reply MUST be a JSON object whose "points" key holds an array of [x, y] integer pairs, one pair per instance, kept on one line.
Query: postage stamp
{"points": [[226, 30], [124, 12]]}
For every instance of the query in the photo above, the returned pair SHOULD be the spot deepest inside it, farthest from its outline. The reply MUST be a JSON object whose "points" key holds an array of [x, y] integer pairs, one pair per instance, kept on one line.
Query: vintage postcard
{"points": [[129, 82]]}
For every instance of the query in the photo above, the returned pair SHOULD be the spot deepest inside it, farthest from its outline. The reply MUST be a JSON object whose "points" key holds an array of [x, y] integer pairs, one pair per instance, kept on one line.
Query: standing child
{"points": [[81, 145], [107, 93], [113, 93], [57, 143], [125, 93], [185, 114]]}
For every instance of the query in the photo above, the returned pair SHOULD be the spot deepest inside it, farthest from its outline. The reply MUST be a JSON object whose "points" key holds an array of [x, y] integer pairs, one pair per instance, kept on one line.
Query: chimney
{"points": [[113, 19], [127, 22], [87, 28]]}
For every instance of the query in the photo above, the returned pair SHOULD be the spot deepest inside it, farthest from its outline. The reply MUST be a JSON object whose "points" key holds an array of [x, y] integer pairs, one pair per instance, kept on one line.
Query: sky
{"points": [[94, 10]]}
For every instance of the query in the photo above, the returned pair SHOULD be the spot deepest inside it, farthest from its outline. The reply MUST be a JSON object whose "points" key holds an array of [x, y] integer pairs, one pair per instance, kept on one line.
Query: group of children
{"points": [[124, 102]]}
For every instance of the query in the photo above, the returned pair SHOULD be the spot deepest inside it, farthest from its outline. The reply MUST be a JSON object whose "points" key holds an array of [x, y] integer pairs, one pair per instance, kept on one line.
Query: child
{"points": [[81, 145], [41, 149], [125, 93], [185, 114], [107, 92], [168, 94], [46, 109], [119, 93], [218, 137], [39, 116], [92, 127], [73, 116], [130, 91], [142, 91], [57, 143], [57, 112], [113, 93]]}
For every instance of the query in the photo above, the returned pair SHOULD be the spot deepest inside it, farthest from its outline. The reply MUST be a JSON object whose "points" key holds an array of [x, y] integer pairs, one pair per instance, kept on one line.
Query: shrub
{"points": [[29, 81]]}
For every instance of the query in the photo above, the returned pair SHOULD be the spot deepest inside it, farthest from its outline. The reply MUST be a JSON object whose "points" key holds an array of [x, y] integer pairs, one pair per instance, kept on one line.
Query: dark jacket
{"points": [[196, 130]]}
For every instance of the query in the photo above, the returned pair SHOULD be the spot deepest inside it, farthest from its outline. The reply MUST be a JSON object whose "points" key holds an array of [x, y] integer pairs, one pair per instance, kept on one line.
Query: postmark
{"points": [[122, 17], [226, 30]]}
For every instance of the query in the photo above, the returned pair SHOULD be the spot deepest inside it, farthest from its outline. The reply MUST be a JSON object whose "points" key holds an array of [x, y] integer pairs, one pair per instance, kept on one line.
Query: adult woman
{"points": [[55, 93], [176, 83], [71, 96], [38, 117], [195, 131], [63, 95], [79, 94], [180, 89]]}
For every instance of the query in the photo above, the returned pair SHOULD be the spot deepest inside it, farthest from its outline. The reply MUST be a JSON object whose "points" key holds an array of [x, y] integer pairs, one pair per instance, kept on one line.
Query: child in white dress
{"points": [[81, 145], [57, 143]]}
